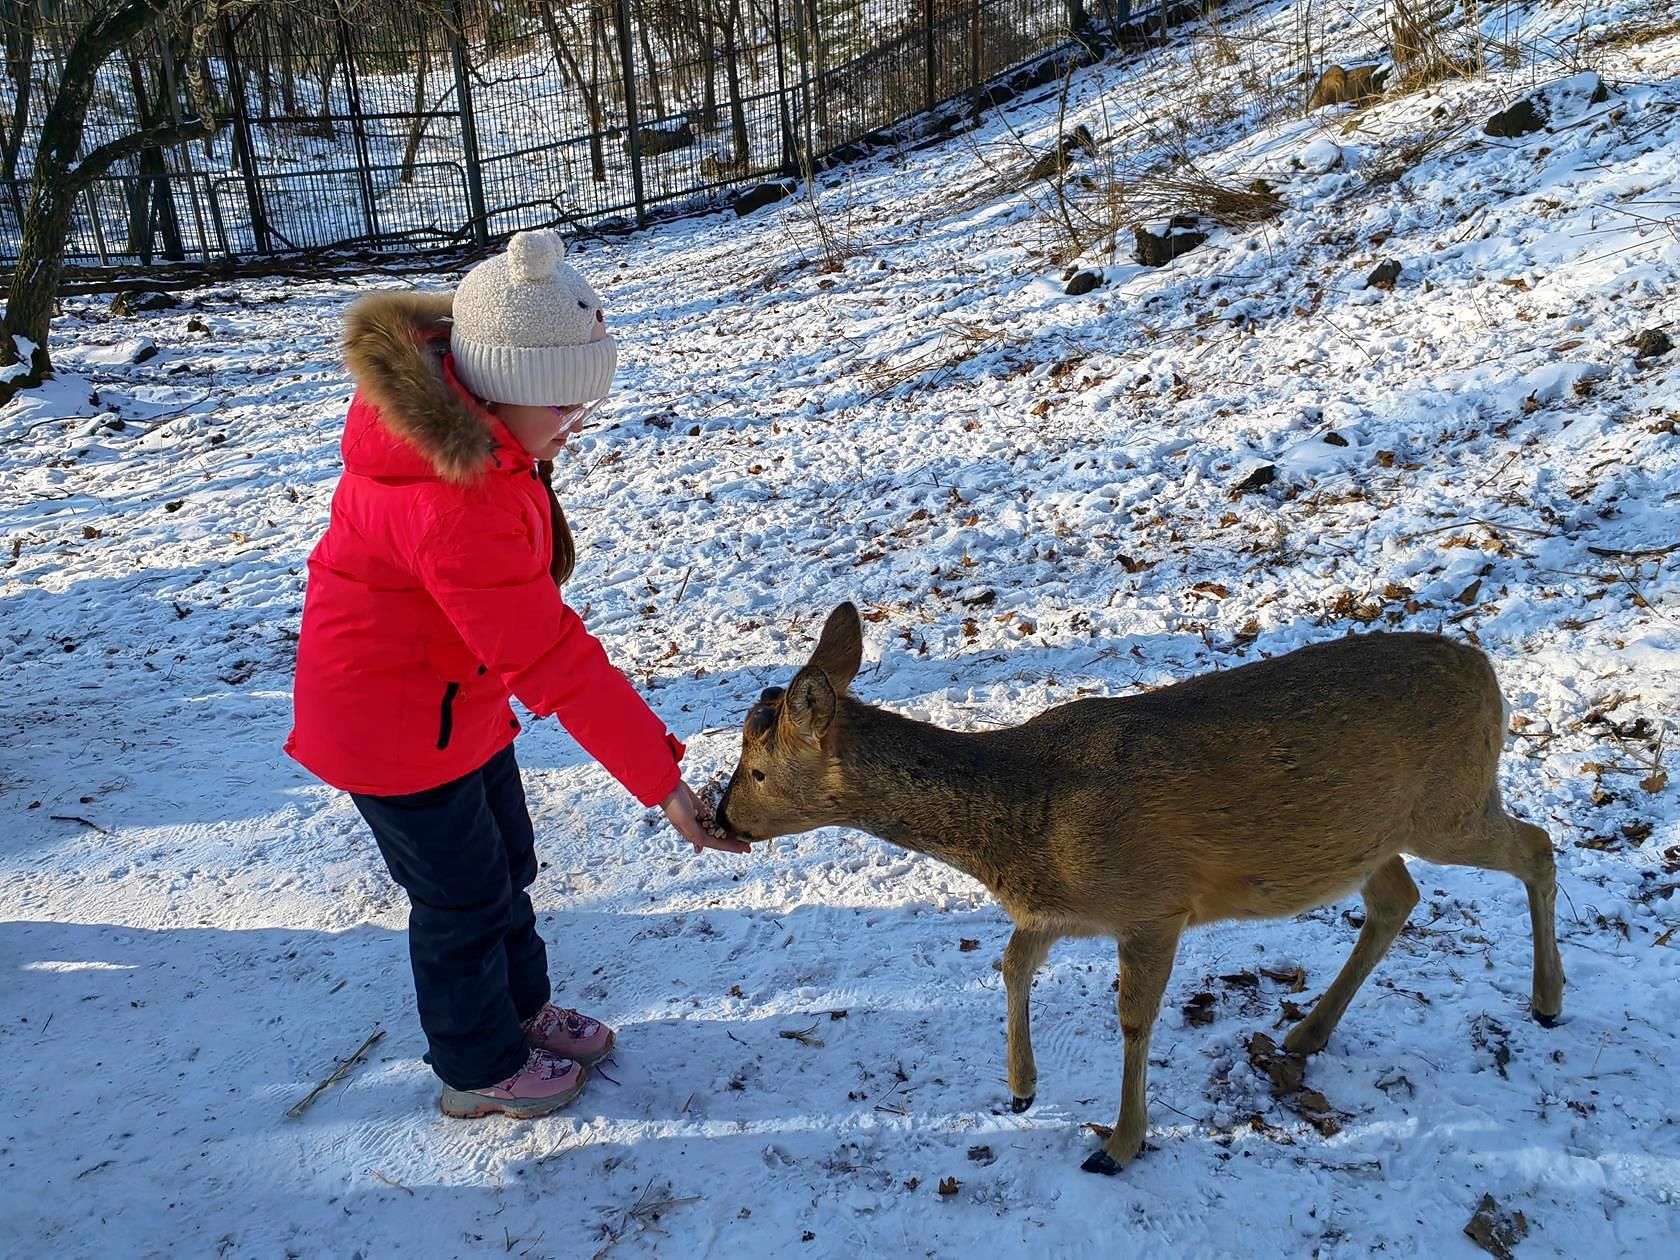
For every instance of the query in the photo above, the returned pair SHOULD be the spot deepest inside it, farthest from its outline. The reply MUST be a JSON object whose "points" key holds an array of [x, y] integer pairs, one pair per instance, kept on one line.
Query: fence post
{"points": [[364, 157], [627, 55], [931, 51], [242, 148], [469, 130], [974, 59]]}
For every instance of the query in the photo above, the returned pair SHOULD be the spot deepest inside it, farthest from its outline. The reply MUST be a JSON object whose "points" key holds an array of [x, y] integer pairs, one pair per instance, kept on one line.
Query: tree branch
{"points": [[162, 135]]}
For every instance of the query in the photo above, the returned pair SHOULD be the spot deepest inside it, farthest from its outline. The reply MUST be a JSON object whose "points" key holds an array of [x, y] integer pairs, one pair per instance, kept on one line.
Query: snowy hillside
{"points": [[1033, 496]]}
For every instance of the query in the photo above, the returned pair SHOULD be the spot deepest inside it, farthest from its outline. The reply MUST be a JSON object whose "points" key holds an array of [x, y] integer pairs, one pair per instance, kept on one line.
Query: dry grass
{"points": [[1230, 205], [1433, 40], [1389, 161], [958, 342]]}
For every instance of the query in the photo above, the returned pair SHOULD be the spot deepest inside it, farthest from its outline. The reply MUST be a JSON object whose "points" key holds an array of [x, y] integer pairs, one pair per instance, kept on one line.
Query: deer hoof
{"points": [[1548, 1021], [1018, 1105], [1101, 1162]]}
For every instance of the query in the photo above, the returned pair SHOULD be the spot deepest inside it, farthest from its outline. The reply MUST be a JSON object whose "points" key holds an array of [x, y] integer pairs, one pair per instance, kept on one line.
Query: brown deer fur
{"points": [[1257, 792], [1337, 86]]}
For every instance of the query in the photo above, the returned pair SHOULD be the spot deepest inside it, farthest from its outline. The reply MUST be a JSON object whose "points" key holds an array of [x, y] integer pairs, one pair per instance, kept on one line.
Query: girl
{"points": [[434, 595]]}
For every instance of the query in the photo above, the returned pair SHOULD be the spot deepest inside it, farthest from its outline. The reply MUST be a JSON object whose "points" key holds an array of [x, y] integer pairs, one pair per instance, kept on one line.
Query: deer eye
{"points": [[758, 776]]}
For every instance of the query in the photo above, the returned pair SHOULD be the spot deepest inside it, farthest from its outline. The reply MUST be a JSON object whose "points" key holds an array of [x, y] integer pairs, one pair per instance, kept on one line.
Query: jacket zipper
{"points": [[446, 719]]}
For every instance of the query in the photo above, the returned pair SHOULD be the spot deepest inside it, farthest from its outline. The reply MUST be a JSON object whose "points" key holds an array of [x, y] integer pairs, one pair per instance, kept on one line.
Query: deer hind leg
{"points": [[1146, 961], [1389, 895], [1504, 843], [1023, 956]]}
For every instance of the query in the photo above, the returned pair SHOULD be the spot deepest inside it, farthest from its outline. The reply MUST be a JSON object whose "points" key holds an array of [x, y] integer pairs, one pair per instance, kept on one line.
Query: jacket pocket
{"points": [[446, 715]]}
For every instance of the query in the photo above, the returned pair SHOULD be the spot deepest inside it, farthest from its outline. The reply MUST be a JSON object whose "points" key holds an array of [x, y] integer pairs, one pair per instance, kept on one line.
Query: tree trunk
{"points": [[708, 57], [40, 262], [20, 61], [418, 128], [288, 72], [652, 63], [324, 126], [732, 68], [819, 62], [60, 178], [586, 86]]}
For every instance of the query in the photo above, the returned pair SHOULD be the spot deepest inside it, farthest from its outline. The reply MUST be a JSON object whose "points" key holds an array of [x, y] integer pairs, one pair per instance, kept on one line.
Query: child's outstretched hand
{"points": [[683, 811]]}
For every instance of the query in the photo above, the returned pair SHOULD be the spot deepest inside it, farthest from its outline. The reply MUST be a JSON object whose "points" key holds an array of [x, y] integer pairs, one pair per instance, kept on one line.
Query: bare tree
{"points": [[62, 173], [17, 29], [587, 85]]}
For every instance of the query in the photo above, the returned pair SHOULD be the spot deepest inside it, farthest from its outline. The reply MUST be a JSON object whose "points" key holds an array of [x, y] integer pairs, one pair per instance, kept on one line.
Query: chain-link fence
{"points": [[402, 125]]}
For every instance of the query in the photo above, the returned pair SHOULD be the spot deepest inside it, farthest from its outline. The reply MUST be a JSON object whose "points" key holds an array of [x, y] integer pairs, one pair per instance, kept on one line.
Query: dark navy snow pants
{"points": [[465, 854]]}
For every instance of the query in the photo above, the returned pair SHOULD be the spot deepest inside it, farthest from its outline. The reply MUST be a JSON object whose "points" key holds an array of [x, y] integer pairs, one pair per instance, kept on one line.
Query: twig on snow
{"points": [[338, 1074], [77, 818], [395, 1185], [803, 1035]]}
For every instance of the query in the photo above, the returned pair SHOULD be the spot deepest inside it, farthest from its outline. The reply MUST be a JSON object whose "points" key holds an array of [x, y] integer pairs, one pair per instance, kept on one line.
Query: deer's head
{"points": [[789, 776]]}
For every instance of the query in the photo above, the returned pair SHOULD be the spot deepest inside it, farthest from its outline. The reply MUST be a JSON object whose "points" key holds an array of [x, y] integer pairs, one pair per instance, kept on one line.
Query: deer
{"points": [[1257, 792]]}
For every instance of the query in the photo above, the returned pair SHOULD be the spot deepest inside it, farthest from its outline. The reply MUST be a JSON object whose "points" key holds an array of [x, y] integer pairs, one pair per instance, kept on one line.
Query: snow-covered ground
{"points": [[193, 933]]}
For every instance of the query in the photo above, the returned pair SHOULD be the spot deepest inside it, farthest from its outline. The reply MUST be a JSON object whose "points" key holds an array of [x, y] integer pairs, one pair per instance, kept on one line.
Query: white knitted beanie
{"points": [[526, 328]]}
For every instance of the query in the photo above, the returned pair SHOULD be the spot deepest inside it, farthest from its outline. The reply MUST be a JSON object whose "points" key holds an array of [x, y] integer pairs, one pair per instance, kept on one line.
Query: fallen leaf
{"points": [[1199, 1009], [1294, 977], [1495, 1230], [735, 991], [912, 1183], [967, 946], [174, 505], [1468, 595], [1656, 782], [1212, 589], [89, 532], [948, 1186], [981, 1155], [1312, 1100]]}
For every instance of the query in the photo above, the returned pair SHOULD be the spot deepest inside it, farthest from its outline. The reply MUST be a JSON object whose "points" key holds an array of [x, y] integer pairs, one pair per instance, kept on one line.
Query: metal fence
{"points": [[402, 125]]}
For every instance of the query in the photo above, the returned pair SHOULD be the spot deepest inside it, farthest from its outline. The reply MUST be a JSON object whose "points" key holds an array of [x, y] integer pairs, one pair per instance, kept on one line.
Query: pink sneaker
{"points": [[569, 1034], [546, 1083]]}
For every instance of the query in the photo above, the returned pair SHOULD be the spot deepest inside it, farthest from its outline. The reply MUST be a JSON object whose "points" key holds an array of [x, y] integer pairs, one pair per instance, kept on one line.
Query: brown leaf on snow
{"points": [[1496, 1230], [1656, 782], [948, 1186], [1294, 977], [967, 946], [1199, 1009]]}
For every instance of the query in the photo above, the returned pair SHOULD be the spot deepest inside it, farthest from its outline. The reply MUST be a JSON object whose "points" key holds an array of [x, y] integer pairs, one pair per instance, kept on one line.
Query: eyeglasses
{"points": [[576, 424]]}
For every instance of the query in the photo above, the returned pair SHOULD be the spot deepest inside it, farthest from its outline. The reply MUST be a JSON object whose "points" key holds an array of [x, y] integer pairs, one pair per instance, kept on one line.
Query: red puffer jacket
{"points": [[430, 596]]}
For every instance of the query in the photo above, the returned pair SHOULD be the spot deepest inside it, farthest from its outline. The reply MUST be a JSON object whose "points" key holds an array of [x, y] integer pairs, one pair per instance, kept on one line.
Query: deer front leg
{"points": [[1146, 961], [1023, 956]]}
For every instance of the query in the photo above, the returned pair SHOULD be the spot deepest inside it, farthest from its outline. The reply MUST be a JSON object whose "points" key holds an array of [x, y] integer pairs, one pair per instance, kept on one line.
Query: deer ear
{"points": [[809, 707], [840, 650]]}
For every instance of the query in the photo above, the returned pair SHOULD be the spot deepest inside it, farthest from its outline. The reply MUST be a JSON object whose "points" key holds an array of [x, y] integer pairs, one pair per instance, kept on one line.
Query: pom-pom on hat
{"points": [[529, 329]]}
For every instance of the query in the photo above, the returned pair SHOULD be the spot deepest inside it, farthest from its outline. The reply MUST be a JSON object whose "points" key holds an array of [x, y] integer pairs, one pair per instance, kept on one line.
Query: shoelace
{"points": [[553, 1017], [544, 1065]]}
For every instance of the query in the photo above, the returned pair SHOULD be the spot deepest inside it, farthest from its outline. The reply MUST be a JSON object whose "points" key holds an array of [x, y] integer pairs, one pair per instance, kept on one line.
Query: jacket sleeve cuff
{"points": [[667, 783]]}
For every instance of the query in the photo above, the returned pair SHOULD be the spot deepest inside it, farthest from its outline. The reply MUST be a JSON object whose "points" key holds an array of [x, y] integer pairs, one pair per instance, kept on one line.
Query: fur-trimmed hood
{"points": [[394, 346]]}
